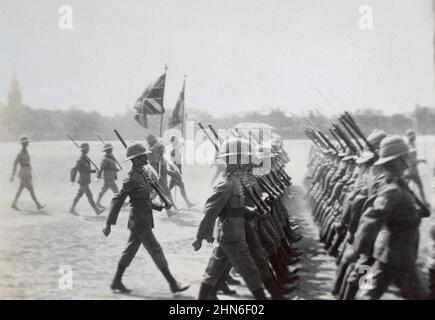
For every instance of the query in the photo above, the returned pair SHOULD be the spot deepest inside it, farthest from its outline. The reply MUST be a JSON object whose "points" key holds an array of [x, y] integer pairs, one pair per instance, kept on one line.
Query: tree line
{"points": [[43, 124]]}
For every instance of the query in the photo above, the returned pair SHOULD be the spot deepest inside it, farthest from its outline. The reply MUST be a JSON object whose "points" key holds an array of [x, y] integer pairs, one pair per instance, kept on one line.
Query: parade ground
{"points": [[52, 254]]}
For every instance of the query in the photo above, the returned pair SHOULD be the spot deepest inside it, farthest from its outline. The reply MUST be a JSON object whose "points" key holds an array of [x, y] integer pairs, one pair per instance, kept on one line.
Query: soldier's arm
{"points": [[373, 219], [213, 207], [74, 171], [118, 200]]}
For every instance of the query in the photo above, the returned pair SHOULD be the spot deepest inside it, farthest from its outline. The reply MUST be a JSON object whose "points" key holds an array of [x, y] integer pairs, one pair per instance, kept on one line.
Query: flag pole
{"points": [[184, 106], [161, 115]]}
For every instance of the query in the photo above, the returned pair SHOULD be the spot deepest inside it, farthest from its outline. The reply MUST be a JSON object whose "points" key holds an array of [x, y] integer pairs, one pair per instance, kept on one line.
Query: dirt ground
{"points": [[38, 247]]}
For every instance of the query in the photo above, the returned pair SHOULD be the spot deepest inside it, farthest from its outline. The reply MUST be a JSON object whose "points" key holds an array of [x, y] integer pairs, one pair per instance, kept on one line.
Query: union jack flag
{"points": [[150, 101]]}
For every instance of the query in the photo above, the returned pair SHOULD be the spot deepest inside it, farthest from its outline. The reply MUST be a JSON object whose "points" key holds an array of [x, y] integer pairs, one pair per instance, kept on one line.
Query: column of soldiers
{"points": [[245, 216], [367, 214]]}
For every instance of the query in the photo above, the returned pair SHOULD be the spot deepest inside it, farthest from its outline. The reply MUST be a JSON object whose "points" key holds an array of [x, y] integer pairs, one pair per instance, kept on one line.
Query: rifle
{"points": [[215, 134], [345, 138], [358, 131], [208, 136], [328, 143], [153, 183], [72, 139], [349, 130], [343, 147], [425, 211], [102, 141]]}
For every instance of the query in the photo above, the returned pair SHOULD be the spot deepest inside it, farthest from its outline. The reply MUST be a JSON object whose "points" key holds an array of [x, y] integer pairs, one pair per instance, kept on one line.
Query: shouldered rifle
{"points": [[215, 134], [345, 138], [328, 143], [102, 141], [153, 183], [72, 139], [424, 210], [208, 136], [358, 131], [350, 131], [342, 146]]}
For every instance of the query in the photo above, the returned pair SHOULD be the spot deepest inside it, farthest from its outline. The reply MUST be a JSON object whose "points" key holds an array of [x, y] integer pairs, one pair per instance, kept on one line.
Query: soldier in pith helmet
{"points": [[24, 173]]}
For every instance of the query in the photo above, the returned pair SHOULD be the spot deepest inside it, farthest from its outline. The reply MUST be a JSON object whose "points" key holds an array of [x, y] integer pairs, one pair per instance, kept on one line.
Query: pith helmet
{"points": [[375, 138], [392, 147], [107, 146], [135, 150], [23, 139], [234, 147], [84, 146]]}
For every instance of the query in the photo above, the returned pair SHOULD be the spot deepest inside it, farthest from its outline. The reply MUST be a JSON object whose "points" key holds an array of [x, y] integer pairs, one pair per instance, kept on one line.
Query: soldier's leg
{"points": [[154, 249], [259, 255], [130, 250], [76, 199], [90, 197], [17, 195], [183, 193], [240, 257], [114, 187], [408, 281], [214, 272], [379, 278], [127, 257], [103, 190], [29, 186]]}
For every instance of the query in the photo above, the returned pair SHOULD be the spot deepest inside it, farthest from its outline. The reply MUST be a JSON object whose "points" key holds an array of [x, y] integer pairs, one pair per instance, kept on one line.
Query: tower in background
{"points": [[15, 98]]}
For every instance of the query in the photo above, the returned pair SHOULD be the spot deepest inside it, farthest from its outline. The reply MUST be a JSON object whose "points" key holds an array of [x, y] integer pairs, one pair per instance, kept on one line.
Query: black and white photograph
{"points": [[217, 150]]}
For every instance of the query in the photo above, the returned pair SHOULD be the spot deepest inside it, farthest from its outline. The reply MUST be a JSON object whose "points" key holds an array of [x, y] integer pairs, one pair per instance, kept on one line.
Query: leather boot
{"points": [[205, 291], [174, 285], [223, 287], [117, 284]]}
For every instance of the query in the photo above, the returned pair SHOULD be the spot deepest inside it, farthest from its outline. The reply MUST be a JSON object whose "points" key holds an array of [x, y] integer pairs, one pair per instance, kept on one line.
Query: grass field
{"points": [[35, 247]]}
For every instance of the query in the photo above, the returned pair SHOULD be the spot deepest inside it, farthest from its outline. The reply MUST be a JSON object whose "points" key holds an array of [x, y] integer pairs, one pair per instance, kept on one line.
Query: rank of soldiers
{"points": [[368, 215]]}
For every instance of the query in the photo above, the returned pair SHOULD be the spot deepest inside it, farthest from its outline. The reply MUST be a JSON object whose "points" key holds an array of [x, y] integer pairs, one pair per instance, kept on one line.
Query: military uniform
{"points": [[228, 204], [25, 174], [389, 231], [84, 170], [140, 222], [108, 171]]}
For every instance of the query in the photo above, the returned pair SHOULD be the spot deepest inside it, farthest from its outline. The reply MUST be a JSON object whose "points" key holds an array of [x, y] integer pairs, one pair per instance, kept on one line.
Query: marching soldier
{"points": [[156, 160], [173, 162], [108, 170], [140, 222], [227, 203], [389, 231], [83, 168], [24, 173]]}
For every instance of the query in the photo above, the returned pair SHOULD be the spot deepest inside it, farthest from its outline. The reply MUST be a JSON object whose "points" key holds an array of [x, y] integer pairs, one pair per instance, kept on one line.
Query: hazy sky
{"points": [[238, 54]]}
